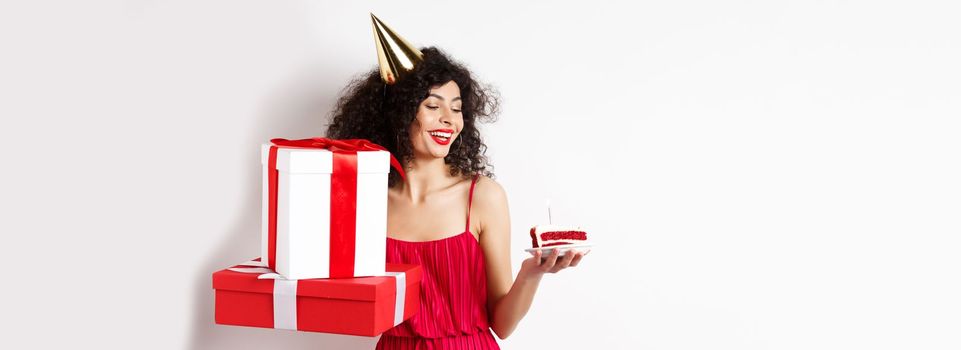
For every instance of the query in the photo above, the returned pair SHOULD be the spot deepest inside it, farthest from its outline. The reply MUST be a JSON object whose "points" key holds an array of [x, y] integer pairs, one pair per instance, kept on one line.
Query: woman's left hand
{"points": [[539, 264]]}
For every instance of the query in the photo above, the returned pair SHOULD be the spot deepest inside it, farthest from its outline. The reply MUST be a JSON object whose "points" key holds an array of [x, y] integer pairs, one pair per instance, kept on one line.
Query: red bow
{"points": [[340, 146]]}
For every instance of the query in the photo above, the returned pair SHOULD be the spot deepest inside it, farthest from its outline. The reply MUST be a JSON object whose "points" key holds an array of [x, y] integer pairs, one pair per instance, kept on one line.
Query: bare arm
{"points": [[508, 301]]}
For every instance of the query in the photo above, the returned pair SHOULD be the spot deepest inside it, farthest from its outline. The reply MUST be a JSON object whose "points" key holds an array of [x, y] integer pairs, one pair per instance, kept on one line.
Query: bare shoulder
{"points": [[488, 193], [490, 208]]}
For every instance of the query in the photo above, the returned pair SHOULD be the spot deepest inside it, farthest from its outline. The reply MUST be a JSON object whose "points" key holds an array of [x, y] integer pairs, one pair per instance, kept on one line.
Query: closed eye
{"points": [[436, 107]]}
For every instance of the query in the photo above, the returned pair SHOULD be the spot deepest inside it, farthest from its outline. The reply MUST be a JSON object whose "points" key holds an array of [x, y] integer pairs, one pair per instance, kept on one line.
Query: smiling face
{"points": [[438, 122]]}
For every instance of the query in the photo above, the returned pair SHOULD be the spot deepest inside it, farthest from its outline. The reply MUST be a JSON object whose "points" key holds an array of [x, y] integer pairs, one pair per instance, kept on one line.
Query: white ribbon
{"points": [[401, 283], [285, 294], [285, 304]]}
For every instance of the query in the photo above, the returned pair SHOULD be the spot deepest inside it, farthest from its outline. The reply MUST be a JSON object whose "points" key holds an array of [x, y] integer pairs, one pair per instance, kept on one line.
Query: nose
{"points": [[446, 118]]}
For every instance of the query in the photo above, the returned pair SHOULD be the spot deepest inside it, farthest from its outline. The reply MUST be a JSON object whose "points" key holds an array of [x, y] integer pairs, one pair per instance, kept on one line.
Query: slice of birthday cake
{"points": [[555, 235]]}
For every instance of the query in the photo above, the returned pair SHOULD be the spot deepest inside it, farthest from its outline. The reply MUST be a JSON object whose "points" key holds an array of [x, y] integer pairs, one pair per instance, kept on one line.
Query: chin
{"points": [[436, 151], [440, 155], [432, 153]]}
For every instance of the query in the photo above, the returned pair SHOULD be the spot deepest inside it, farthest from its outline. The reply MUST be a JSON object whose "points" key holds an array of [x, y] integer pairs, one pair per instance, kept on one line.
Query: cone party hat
{"points": [[396, 56]]}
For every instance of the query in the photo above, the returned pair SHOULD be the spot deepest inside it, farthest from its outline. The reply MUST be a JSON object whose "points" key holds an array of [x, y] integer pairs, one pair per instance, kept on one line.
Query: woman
{"points": [[428, 121]]}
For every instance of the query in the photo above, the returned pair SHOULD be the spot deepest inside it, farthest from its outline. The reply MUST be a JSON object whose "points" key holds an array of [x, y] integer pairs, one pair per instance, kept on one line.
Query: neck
{"points": [[424, 176]]}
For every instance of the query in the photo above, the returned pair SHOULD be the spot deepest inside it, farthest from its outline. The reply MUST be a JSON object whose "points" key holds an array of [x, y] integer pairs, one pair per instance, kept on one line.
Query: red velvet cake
{"points": [[556, 235]]}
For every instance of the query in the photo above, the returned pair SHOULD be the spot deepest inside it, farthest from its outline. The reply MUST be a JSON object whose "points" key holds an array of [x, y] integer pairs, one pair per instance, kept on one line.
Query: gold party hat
{"points": [[395, 55]]}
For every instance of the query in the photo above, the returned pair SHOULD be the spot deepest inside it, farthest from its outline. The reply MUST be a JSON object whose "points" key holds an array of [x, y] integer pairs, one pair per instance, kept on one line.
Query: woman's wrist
{"points": [[528, 274]]}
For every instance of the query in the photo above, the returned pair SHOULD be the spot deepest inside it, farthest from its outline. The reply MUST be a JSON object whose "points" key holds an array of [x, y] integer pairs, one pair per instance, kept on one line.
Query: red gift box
{"points": [[366, 306]]}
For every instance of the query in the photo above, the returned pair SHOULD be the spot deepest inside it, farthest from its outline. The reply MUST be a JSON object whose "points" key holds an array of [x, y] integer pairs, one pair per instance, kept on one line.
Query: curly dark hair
{"points": [[372, 110]]}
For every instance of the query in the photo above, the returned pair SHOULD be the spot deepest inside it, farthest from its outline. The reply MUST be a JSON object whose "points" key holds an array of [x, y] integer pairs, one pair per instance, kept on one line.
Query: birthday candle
{"points": [[549, 221]]}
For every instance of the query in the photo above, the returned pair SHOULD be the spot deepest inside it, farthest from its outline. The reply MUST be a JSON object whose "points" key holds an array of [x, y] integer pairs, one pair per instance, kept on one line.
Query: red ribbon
{"points": [[343, 197]]}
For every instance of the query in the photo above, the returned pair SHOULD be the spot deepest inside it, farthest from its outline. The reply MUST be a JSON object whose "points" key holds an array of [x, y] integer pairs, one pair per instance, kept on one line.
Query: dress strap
{"points": [[470, 199]]}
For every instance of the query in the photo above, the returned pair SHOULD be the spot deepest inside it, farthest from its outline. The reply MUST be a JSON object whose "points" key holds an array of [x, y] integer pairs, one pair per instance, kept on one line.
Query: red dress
{"points": [[453, 300]]}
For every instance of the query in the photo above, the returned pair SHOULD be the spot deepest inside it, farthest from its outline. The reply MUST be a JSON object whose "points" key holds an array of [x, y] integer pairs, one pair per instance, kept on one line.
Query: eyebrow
{"points": [[442, 98]]}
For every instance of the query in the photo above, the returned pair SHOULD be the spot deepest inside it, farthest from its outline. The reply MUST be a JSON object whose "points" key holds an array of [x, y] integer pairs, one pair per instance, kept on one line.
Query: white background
{"points": [[756, 175]]}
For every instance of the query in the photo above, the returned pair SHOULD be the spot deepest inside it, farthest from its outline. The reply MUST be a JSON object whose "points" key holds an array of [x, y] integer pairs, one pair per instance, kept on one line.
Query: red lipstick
{"points": [[439, 136]]}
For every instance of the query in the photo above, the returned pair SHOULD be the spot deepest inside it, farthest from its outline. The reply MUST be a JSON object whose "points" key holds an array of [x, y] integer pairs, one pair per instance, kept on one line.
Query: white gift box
{"points": [[303, 248]]}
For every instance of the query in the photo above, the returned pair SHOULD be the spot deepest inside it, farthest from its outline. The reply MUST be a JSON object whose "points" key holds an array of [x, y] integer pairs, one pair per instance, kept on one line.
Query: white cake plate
{"points": [[561, 249]]}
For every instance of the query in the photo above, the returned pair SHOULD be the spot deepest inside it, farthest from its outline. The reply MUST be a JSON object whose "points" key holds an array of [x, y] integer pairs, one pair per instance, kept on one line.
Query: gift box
{"points": [[247, 295], [325, 207]]}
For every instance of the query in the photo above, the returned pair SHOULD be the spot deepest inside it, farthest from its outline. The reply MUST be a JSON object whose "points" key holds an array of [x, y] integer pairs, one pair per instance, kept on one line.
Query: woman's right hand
{"points": [[539, 264]]}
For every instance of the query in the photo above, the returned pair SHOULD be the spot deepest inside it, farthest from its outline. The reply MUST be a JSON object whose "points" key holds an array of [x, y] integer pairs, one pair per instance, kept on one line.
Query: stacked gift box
{"points": [[324, 237]]}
